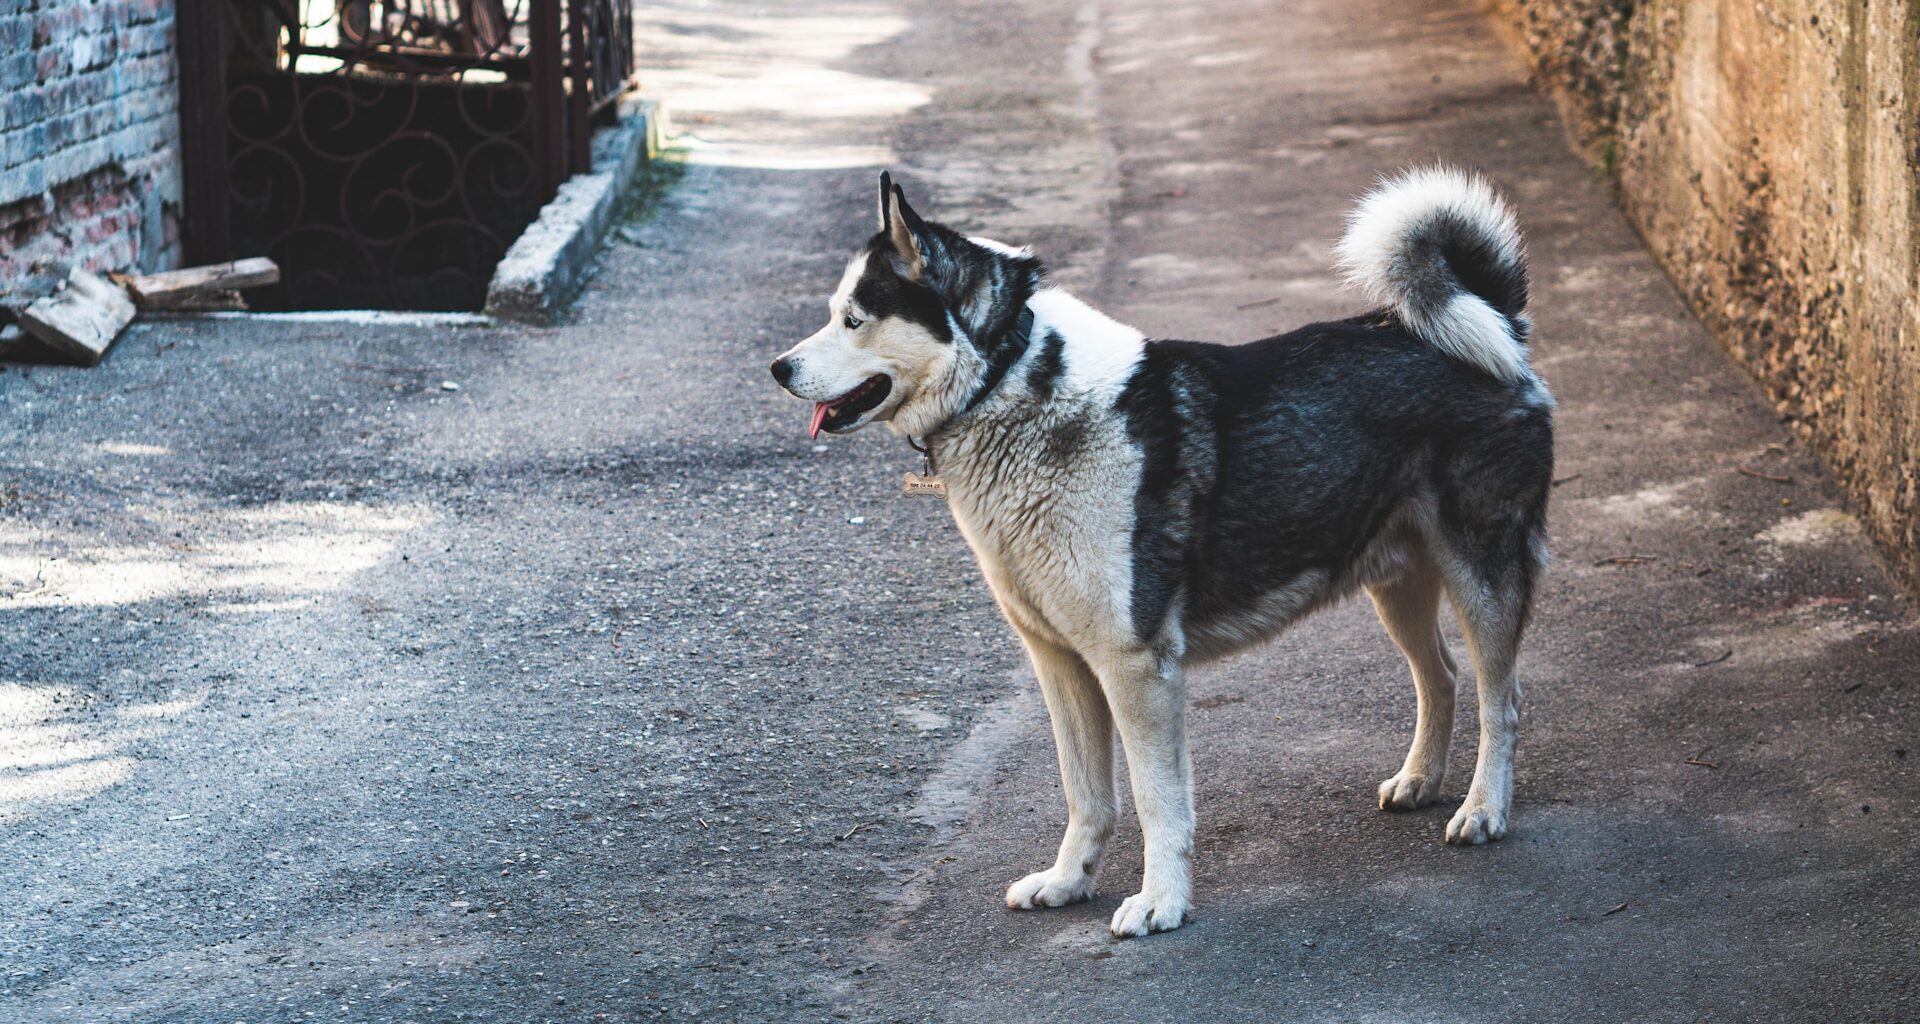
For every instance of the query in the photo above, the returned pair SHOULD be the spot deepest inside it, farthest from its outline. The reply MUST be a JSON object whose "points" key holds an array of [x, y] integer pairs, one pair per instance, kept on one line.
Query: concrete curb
{"points": [[548, 263]]}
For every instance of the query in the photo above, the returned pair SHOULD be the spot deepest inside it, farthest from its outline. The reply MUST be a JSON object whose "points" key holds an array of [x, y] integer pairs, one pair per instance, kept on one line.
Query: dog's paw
{"points": [[1475, 823], [1145, 912], [1406, 792], [1049, 888]]}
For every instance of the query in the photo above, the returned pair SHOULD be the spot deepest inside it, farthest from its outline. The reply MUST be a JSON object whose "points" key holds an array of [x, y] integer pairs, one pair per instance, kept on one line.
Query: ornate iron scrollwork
{"points": [[387, 152]]}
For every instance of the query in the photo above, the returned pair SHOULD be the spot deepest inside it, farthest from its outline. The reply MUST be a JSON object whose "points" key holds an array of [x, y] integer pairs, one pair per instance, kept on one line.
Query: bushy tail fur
{"points": [[1440, 248]]}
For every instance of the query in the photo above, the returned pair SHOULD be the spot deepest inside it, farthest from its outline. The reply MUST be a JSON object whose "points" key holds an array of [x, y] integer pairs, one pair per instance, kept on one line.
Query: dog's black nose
{"points": [[782, 372]]}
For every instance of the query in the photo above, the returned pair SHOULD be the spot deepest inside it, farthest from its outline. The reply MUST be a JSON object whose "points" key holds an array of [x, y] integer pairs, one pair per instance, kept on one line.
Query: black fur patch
{"points": [[1283, 459], [881, 292], [984, 289], [1452, 255], [1048, 362], [1006, 350]]}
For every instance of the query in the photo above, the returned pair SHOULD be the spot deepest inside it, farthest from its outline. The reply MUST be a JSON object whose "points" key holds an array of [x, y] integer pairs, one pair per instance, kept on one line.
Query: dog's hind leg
{"points": [[1409, 607], [1492, 601], [1083, 735]]}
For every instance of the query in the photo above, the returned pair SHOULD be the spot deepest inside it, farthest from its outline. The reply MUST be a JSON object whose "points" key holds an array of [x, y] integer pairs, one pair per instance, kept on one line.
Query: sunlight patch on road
{"points": [[763, 91], [272, 554], [784, 158], [69, 783], [125, 448], [54, 751], [1817, 526]]}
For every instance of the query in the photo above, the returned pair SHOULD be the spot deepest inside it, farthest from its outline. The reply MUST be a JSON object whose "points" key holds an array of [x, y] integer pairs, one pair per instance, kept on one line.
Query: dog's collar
{"points": [[1009, 356], [1003, 360]]}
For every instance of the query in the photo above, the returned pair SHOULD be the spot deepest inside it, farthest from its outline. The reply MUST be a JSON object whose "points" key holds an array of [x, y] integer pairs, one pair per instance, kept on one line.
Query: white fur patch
{"points": [[1377, 254], [1000, 247], [1098, 352], [843, 293]]}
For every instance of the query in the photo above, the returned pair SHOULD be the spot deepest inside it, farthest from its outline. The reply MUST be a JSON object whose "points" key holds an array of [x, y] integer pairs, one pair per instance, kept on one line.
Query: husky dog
{"points": [[1139, 506]]}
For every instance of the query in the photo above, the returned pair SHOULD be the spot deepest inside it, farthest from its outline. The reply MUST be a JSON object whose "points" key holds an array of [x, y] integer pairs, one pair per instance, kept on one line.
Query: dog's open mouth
{"points": [[848, 408]]}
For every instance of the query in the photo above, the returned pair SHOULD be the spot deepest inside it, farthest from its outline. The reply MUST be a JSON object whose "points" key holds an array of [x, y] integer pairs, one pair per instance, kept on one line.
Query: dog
{"points": [[1139, 506]]}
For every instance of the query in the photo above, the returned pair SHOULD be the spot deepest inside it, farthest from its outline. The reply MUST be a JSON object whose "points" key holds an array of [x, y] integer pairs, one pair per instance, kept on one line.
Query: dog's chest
{"points": [[1049, 514]]}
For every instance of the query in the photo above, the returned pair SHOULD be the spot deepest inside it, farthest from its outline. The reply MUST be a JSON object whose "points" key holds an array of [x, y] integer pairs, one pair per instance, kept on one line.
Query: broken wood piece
{"points": [[857, 829], [165, 290], [226, 300], [82, 318], [1626, 560]]}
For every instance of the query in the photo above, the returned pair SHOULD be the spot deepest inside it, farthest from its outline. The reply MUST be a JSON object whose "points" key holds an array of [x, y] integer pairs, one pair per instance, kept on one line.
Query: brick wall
{"points": [[89, 138], [1769, 152]]}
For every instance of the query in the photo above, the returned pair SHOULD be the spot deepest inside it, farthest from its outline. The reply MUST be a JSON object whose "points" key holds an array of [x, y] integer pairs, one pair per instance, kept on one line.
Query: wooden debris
{"points": [[1615, 910], [179, 289], [1724, 655], [1699, 760], [1626, 560], [225, 301], [1757, 475], [82, 318]]}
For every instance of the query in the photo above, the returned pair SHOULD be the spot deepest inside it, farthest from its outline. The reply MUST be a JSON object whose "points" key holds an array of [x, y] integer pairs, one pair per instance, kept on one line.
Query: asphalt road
{"points": [[588, 689]]}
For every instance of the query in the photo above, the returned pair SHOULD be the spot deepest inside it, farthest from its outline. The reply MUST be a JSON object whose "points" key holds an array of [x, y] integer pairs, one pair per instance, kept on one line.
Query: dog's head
{"points": [[911, 328]]}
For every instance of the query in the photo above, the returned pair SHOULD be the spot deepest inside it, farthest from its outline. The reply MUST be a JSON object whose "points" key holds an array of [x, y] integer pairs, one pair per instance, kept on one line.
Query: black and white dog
{"points": [[1139, 506]]}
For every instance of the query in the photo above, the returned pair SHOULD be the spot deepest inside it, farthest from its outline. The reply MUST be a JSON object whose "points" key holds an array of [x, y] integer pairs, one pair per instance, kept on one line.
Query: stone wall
{"points": [[1769, 152], [89, 138]]}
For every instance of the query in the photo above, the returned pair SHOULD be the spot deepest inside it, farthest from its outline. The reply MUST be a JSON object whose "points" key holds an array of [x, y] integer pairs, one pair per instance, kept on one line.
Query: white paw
{"points": [[1475, 823], [1145, 912], [1049, 888], [1406, 792]]}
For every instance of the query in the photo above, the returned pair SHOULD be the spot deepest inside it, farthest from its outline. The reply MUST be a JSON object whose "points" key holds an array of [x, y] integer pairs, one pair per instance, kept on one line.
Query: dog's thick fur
{"points": [[1139, 505]]}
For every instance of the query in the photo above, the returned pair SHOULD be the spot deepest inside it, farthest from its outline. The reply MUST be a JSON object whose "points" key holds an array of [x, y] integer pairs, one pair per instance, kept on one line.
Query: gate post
{"points": [[200, 25], [549, 114], [580, 106]]}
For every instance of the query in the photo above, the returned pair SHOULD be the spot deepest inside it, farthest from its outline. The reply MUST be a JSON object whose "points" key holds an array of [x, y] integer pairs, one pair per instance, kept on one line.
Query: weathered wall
{"points": [[89, 136], [1769, 152]]}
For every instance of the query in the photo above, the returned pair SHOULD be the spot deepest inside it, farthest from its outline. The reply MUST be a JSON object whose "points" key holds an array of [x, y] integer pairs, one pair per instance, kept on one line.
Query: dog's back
{"points": [[1287, 472]]}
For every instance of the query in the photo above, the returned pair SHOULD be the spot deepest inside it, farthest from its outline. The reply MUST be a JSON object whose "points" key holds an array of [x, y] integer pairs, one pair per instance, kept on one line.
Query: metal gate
{"points": [[387, 152]]}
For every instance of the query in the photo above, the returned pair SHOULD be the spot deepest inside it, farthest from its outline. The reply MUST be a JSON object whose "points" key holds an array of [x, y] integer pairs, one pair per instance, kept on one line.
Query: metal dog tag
{"points": [[914, 483]]}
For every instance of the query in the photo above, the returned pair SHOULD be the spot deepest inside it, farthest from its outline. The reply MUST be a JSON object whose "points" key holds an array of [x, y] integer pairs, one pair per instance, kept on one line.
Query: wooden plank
{"points": [[155, 290], [82, 318], [224, 301]]}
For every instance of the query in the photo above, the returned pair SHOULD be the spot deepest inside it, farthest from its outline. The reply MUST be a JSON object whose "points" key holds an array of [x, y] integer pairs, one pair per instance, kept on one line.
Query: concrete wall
{"points": [[89, 137], [1769, 152]]}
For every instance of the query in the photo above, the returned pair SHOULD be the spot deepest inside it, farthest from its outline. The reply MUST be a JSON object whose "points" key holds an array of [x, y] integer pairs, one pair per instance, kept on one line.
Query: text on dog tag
{"points": [[914, 483]]}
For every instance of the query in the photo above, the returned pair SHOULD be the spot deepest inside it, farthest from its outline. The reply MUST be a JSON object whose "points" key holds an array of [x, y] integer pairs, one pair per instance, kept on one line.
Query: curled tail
{"points": [[1440, 248]]}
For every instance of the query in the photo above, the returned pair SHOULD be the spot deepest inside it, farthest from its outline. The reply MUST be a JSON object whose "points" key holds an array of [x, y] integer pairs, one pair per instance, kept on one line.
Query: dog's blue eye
{"points": [[853, 321]]}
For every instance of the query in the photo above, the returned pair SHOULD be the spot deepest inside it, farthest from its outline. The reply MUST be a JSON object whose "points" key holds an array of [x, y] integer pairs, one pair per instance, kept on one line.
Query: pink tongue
{"points": [[820, 411]]}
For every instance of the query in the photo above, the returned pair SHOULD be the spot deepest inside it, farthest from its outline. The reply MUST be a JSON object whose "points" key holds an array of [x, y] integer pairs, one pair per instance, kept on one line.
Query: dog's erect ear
{"points": [[904, 227]]}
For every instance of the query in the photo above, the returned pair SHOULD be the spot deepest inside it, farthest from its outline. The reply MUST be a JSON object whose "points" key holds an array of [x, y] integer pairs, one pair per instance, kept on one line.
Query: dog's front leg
{"points": [[1083, 734], [1148, 694]]}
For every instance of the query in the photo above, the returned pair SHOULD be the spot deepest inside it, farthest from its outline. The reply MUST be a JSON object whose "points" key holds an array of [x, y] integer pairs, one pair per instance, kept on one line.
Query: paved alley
{"points": [[461, 671]]}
